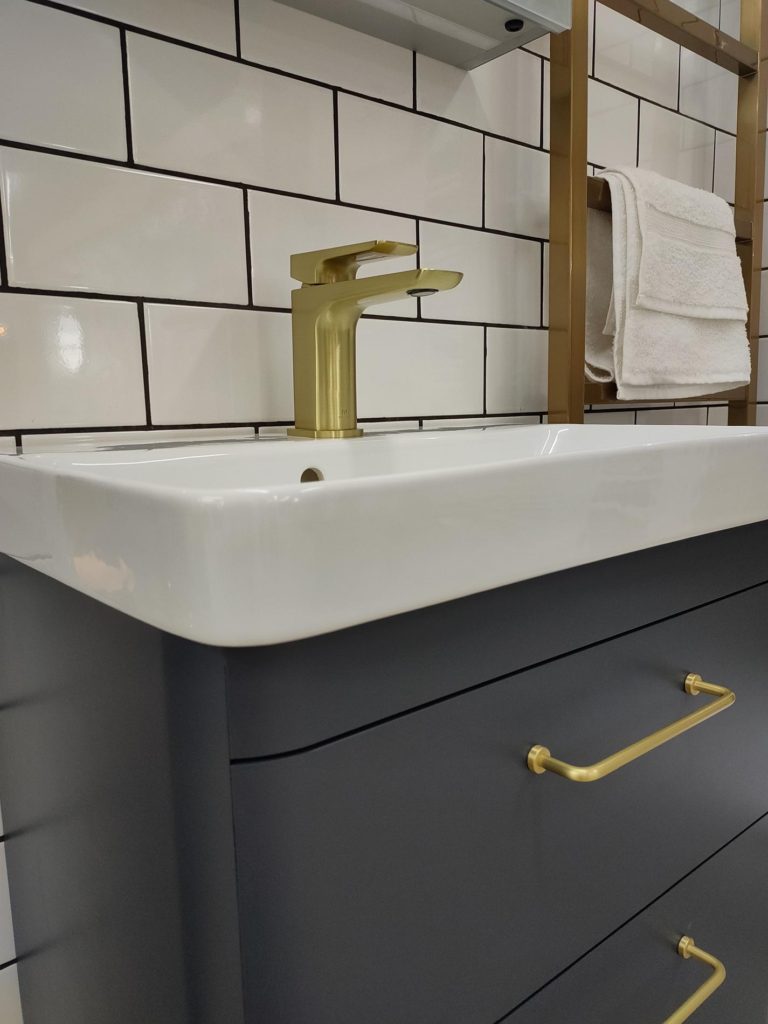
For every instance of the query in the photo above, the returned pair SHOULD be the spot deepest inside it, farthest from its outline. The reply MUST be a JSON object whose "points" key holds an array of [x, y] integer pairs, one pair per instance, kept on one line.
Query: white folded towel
{"points": [[673, 324]]}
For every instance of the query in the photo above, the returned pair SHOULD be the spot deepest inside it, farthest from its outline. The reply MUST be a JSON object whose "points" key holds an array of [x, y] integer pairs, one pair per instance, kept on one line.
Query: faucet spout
{"points": [[325, 318]]}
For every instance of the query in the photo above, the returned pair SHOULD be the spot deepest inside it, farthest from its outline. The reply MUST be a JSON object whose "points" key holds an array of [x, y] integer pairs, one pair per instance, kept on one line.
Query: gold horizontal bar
{"points": [[540, 759], [676, 23], [687, 949]]}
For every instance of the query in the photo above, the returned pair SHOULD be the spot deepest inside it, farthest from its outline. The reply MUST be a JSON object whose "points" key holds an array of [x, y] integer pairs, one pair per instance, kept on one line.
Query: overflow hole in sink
{"points": [[311, 475]]}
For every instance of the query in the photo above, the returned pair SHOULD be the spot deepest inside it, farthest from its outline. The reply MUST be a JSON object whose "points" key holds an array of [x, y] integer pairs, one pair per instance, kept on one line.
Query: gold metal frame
{"points": [[540, 759], [687, 949], [571, 191]]}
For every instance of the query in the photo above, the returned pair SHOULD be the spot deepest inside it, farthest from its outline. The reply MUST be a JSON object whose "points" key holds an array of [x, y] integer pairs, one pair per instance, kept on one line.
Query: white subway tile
{"points": [[708, 92], [621, 416], [61, 81], [484, 422], [762, 371], [762, 416], [687, 416], [282, 37], [516, 371], [10, 1005], [502, 276], [730, 17], [208, 23], [502, 96], [7, 945], [200, 114], [395, 160], [516, 188], [94, 440], [764, 257], [717, 416], [69, 362], [417, 369], [725, 166], [82, 226], [635, 58], [612, 126], [390, 426], [7, 447], [282, 226], [763, 330], [218, 365], [539, 46], [545, 285], [676, 147]]}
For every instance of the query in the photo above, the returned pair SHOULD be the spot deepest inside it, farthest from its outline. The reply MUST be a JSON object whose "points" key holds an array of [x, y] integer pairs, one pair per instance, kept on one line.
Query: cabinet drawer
{"points": [[636, 976], [418, 872]]}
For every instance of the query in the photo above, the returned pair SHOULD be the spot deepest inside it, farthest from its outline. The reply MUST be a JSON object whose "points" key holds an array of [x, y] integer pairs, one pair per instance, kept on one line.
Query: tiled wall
{"points": [[161, 159]]}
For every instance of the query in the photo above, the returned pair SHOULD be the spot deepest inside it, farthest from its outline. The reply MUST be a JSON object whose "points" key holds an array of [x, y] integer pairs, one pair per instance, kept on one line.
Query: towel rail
{"points": [[572, 191]]}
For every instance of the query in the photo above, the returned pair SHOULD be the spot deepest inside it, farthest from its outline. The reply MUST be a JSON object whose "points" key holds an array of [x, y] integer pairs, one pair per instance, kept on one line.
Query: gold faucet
{"points": [[326, 310]]}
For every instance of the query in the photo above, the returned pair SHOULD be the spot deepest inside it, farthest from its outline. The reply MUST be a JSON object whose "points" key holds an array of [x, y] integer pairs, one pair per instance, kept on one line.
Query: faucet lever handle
{"points": [[327, 266]]}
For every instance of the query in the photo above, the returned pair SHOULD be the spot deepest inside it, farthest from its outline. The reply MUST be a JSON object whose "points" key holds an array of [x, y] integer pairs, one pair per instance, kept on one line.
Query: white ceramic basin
{"points": [[223, 544]]}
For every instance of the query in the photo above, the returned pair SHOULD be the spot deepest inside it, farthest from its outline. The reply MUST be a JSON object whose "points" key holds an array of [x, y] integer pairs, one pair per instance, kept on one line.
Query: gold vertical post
{"points": [[750, 176], [568, 218]]}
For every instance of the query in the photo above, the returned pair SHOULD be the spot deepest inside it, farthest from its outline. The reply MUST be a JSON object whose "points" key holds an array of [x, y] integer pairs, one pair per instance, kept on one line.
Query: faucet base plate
{"points": [[303, 432]]}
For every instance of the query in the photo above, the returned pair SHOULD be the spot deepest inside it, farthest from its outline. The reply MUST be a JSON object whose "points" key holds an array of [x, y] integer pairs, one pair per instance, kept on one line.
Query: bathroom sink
{"points": [[223, 543]]}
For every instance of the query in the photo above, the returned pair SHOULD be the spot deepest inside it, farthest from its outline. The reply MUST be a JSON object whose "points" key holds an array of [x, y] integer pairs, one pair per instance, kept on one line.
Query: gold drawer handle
{"points": [[540, 760], [687, 949]]}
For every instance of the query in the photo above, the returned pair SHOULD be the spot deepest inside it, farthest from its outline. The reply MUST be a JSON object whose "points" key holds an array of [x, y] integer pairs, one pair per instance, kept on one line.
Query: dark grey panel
{"points": [[417, 872], [110, 777], [637, 978], [287, 697]]}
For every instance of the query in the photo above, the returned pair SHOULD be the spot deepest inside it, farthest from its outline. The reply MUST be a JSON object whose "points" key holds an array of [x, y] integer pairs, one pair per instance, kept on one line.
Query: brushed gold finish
{"points": [[569, 391], [540, 759], [687, 948], [326, 311]]}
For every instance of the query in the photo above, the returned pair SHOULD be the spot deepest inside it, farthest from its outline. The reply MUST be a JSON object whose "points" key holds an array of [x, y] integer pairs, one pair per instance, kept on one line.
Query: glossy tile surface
{"points": [[74, 98], [208, 23], [676, 147], [502, 276], [283, 225], [516, 371], [196, 113], [612, 126], [725, 167], [282, 37], [634, 58], [516, 189], [218, 365], [7, 945], [679, 416], [502, 96], [77, 225], [69, 362], [418, 369], [394, 160], [10, 1005]]}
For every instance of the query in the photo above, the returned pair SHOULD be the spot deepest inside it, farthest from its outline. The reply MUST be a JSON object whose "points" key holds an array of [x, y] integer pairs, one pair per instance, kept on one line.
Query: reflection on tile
{"points": [[676, 146], [282, 225], [282, 37], [516, 188], [10, 1005], [210, 23], [516, 371], [415, 369], [688, 416], [218, 365], [69, 362], [708, 92], [93, 440], [635, 58], [502, 276], [502, 96], [200, 114], [394, 160], [725, 166], [74, 98], [612, 126], [82, 226]]}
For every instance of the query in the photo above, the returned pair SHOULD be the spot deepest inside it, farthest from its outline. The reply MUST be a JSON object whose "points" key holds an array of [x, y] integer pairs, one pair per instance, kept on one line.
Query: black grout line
{"points": [[415, 81], [594, 37], [506, 677], [10, 963], [336, 145], [144, 360], [542, 112], [605, 938], [3, 257], [483, 184], [637, 144], [248, 254], [238, 47], [485, 371], [126, 95], [541, 287]]}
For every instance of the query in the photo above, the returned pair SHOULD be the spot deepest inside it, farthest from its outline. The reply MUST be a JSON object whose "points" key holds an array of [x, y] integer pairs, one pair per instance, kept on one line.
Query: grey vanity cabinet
{"points": [[344, 830]]}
